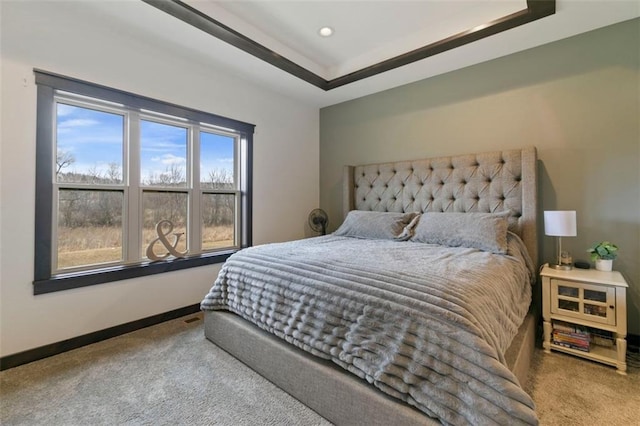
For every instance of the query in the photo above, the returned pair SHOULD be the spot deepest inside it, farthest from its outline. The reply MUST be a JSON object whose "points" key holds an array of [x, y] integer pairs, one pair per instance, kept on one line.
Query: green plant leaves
{"points": [[603, 250]]}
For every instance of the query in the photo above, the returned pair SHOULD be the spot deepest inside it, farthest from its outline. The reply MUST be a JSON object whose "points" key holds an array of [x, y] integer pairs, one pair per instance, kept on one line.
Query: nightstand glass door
{"points": [[580, 300], [595, 303]]}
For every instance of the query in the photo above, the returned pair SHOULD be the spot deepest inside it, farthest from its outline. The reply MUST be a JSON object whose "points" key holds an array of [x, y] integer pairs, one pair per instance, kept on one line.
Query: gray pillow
{"points": [[483, 231], [376, 225]]}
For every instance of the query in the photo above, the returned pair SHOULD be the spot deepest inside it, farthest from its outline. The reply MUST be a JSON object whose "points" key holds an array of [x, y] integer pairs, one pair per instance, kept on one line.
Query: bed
{"points": [[415, 311]]}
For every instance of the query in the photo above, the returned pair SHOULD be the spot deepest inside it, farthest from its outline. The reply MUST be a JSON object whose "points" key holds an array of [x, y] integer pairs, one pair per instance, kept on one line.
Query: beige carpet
{"points": [[170, 374], [573, 391], [167, 374]]}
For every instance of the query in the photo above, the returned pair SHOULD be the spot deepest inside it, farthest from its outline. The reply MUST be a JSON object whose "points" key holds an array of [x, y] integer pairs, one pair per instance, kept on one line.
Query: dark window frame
{"points": [[44, 281]]}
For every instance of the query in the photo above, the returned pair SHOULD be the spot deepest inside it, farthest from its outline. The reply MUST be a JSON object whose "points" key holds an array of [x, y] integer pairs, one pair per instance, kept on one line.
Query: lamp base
{"points": [[561, 267]]}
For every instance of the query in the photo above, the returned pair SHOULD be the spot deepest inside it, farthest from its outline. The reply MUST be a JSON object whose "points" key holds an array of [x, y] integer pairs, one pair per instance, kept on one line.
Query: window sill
{"points": [[105, 275]]}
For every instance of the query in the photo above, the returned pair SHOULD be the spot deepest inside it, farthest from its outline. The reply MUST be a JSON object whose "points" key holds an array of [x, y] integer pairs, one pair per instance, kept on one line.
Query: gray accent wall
{"points": [[577, 100]]}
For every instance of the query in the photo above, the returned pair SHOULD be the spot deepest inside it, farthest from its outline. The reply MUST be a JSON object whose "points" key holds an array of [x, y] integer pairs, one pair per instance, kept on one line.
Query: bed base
{"points": [[335, 394]]}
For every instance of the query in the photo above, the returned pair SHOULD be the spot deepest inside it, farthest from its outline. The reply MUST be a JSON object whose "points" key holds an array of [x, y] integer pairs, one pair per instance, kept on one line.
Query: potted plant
{"points": [[603, 254]]}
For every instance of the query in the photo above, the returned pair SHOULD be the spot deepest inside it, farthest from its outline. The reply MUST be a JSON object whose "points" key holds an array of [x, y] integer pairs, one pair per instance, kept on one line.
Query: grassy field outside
{"points": [[94, 245]]}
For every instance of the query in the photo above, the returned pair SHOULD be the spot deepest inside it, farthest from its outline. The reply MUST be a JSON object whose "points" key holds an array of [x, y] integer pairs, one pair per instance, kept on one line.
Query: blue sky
{"points": [[95, 139]]}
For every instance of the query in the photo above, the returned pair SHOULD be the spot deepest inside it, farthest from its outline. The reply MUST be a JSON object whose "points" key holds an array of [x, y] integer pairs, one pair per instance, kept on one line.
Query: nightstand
{"points": [[585, 314]]}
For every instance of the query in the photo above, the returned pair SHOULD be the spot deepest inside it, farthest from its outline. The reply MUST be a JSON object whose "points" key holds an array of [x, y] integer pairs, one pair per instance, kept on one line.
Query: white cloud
{"points": [[162, 146], [77, 122], [169, 159], [64, 110]]}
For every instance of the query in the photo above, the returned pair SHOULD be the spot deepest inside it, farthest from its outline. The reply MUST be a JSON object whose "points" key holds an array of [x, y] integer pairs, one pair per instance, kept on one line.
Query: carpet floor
{"points": [[169, 374]]}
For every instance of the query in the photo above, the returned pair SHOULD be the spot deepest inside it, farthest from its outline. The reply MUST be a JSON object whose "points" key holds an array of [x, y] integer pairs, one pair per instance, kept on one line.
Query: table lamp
{"points": [[560, 223]]}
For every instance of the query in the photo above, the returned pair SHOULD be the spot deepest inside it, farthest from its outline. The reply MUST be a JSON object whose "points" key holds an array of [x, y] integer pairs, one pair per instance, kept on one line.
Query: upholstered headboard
{"points": [[485, 182]]}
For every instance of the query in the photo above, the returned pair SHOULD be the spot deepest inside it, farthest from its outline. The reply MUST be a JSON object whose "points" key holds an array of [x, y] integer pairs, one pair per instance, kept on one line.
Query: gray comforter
{"points": [[424, 323]]}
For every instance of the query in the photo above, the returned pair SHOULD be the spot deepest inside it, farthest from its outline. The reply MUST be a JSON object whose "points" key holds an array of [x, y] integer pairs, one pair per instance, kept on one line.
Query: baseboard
{"points": [[31, 355]]}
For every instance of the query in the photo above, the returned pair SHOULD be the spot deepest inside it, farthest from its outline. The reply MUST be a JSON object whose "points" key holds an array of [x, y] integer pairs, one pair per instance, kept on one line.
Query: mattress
{"points": [[426, 324]]}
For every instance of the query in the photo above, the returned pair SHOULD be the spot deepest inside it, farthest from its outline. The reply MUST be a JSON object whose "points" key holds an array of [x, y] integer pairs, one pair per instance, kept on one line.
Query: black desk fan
{"points": [[318, 221]]}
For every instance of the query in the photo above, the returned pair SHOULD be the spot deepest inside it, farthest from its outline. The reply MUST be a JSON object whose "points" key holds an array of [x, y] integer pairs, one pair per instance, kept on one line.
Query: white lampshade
{"points": [[560, 223]]}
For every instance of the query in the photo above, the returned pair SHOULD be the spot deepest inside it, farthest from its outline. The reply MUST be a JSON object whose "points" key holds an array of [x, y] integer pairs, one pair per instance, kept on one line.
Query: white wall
{"points": [[67, 38]]}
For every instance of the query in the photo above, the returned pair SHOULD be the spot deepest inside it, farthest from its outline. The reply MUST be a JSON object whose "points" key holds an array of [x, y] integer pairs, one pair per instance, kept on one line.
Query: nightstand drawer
{"points": [[595, 303]]}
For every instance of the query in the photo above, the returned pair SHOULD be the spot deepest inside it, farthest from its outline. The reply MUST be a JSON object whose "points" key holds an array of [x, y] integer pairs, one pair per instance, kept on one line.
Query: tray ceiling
{"points": [[278, 47]]}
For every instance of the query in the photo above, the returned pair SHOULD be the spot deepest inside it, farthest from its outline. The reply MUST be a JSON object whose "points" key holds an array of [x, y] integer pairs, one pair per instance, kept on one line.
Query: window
{"points": [[117, 171]]}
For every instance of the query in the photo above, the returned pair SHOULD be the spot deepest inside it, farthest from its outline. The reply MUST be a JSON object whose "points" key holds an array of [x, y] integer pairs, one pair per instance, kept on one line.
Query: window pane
{"points": [[159, 206], [218, 221], [598, 310], [567, 291], [89, 227], [595, 295], [217, 161], [89, 145], [163, 154], [569, 305]]}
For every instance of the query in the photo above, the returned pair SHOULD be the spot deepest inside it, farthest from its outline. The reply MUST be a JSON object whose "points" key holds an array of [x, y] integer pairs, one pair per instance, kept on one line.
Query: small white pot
{"points": [[604, 264]]}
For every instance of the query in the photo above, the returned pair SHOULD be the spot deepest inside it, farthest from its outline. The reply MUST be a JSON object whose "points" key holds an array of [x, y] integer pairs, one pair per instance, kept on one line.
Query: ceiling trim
{"points": [[536, 9]]}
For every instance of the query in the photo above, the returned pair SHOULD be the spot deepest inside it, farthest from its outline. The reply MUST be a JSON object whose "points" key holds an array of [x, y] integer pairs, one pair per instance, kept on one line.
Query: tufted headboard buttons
{"points": [[485, 182]]}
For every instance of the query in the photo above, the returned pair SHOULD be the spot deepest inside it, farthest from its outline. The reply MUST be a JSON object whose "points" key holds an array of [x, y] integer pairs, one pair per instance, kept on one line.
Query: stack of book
{"points": [[571, 336], [601, 337]]}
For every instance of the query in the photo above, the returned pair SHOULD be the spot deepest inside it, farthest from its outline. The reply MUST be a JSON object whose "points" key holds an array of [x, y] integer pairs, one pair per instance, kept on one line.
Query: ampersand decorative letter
{"points": [[162, 237]]}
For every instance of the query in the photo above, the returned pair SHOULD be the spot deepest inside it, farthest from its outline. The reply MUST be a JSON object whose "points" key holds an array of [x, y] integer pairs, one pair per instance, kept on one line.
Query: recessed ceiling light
{"points": [[325, 31]]}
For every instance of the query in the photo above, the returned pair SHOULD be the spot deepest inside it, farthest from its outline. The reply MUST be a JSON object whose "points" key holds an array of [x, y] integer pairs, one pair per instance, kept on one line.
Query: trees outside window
{"points": [[113, 165]]}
